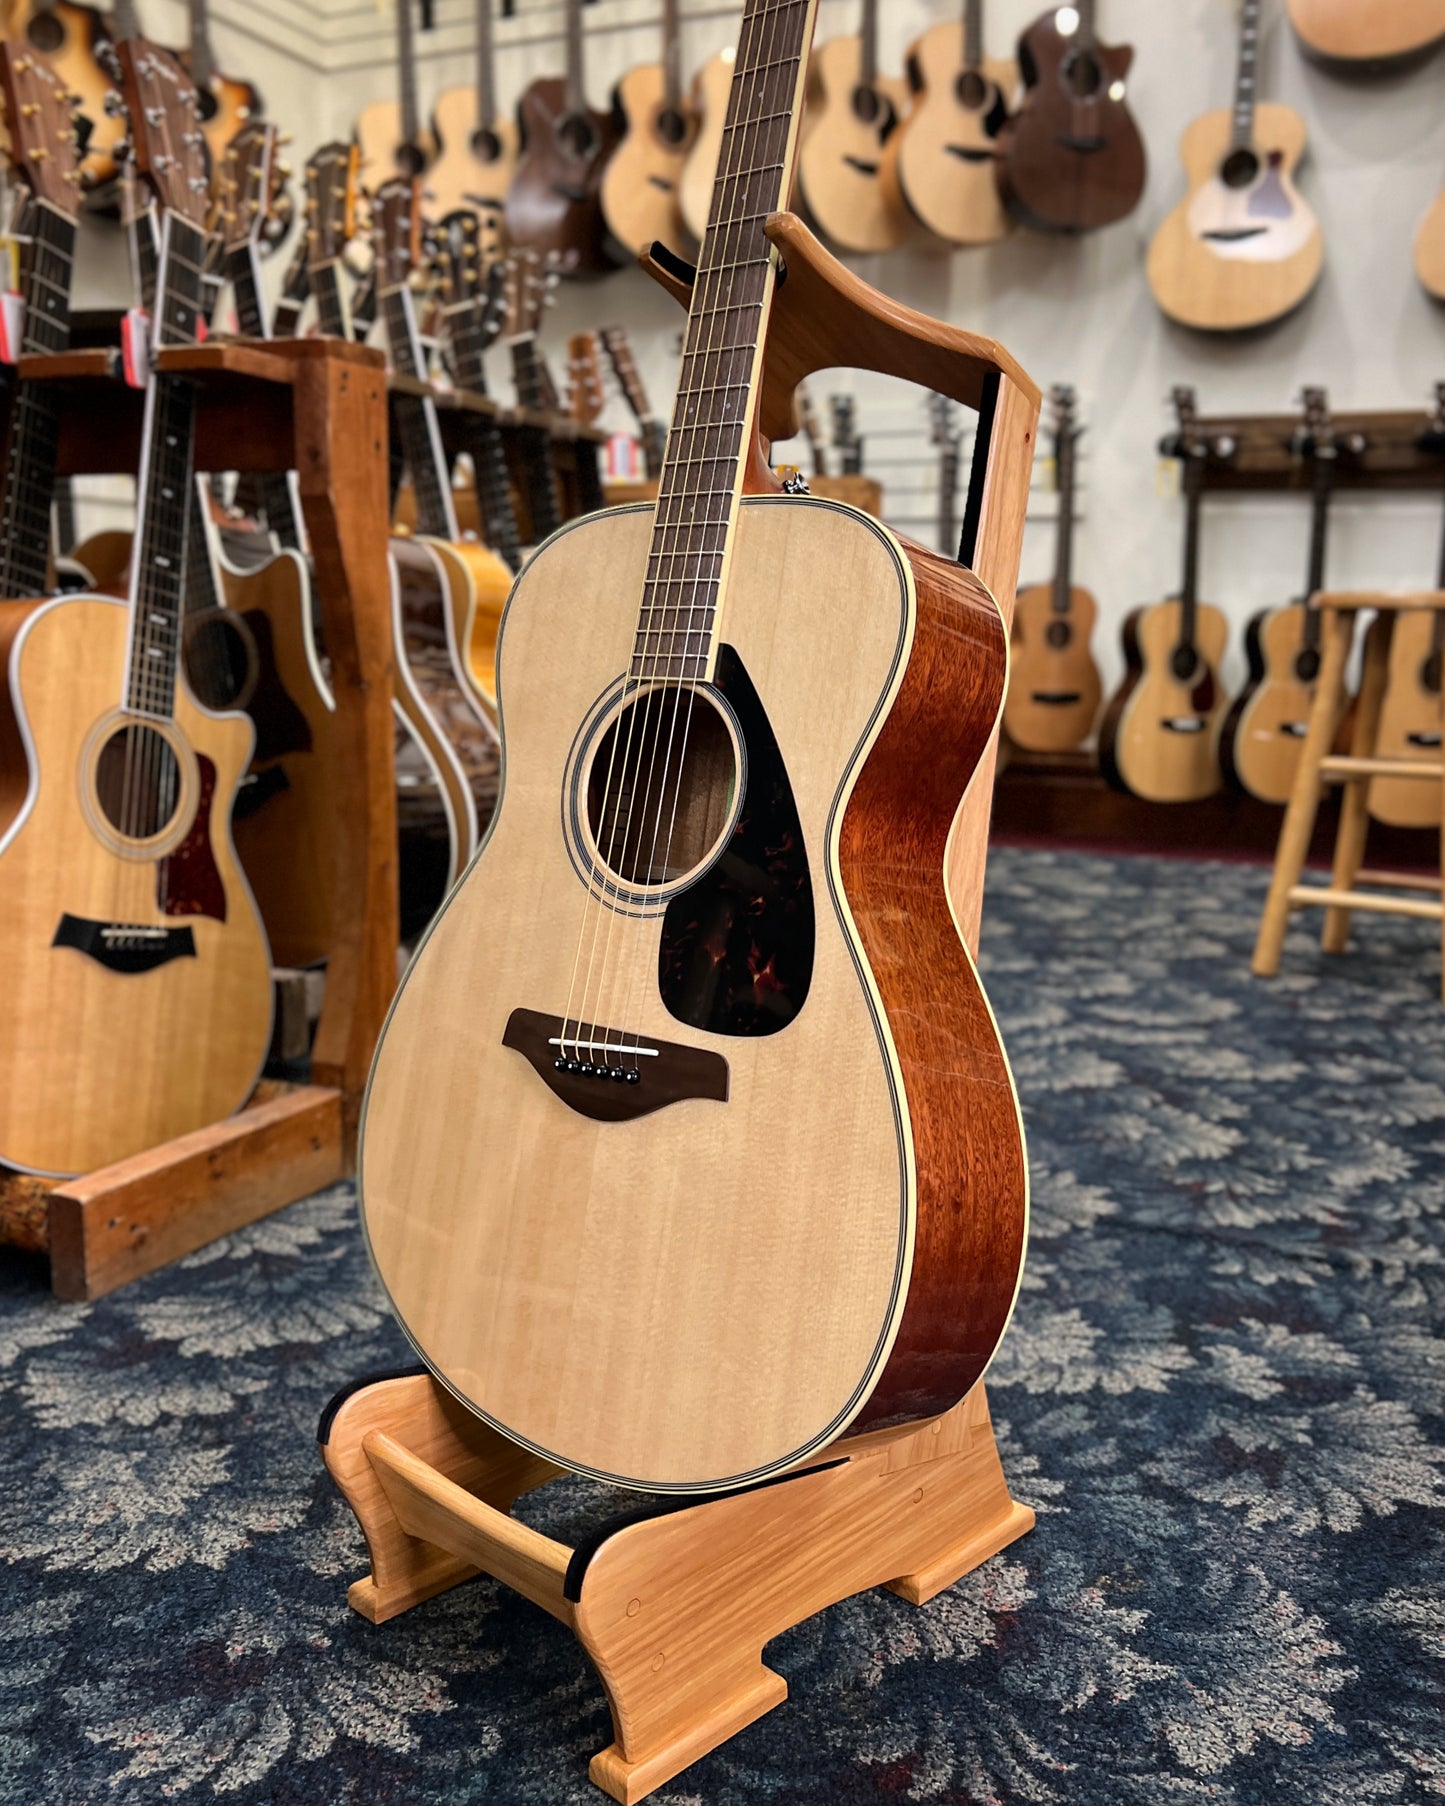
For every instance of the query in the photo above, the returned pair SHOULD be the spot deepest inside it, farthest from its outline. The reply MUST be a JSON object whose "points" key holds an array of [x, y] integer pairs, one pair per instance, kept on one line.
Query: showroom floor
{"points": [[1223, 1391]]}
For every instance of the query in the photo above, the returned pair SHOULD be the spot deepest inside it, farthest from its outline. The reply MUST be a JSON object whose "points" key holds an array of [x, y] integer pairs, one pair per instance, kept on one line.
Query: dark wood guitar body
{"points": [[555, 202], [1071, 159]]}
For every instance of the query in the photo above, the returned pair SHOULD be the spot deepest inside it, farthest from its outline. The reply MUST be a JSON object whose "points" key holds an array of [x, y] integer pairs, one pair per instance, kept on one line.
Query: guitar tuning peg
{"points": [[113, 104]]}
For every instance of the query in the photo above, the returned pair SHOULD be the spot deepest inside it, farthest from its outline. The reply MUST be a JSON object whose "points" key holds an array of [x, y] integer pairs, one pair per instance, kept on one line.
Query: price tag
{"points": [[12, 326], [1166, 478], [135, 346]]}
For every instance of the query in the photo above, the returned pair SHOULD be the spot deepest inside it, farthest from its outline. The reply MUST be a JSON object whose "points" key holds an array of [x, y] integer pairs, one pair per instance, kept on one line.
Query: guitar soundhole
{"points": [[1307, 665], [1430, 673], [577, 137], [1239, 169], [1058, 634], [486, 145], [410, 161], [972, 90], [671, 127], [661, 787], [1082, 75], [1183, 663], [868, 105], [45, 32], [221, 661], [207, 106], [137, 781]]}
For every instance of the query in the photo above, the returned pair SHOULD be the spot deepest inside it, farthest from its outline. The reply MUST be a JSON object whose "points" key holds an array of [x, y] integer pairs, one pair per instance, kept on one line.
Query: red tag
{"points": [[135, 346], [203, 331], [12, 325]]}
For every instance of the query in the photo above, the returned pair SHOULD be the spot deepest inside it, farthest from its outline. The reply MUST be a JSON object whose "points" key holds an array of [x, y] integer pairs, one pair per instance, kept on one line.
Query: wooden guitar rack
{"points": [[675, 1607], [319, 407], [1253, 453]]}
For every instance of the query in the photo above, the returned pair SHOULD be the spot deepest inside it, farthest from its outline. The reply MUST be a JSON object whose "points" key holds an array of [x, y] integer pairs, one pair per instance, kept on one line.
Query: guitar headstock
{"points": [[1064, 402], [619, 354], [586, 396], [331, 188], [40, 114], [943, 423], [396, 231], [472, 275], [167, 143], [1319, 430], [247, 182], [529, 288]]}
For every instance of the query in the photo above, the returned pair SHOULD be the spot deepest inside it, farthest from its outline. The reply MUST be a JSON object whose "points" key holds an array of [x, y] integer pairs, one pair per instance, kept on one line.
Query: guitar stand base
{"points": [[674, 1608]]}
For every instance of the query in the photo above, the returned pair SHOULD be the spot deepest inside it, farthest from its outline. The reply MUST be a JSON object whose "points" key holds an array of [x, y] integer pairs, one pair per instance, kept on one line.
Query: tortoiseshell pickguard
{"points": [[188, 881], [737, 946]]}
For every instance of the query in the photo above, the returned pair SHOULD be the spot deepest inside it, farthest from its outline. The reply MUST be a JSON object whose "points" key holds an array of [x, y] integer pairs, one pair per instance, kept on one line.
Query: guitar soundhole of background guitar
{"points": [[137, 781], [1239, 169], [1082, 76], [972, 90], [221, 662], [1307, 665], [660, 790], [671, 127], [577, 137], [45, 32], [486, 145], [1058, 634]]}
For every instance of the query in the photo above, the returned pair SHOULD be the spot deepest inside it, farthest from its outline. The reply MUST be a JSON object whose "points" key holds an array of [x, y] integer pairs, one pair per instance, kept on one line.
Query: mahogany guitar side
{"points": [[531, 1313], [554, 204]]}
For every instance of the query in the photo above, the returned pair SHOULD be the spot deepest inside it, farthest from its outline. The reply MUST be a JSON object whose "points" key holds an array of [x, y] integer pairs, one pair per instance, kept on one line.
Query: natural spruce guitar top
{"points": [[690, 1141]]}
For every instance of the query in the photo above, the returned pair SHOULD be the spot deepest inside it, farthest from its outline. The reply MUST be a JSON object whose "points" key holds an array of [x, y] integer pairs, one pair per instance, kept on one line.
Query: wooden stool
{"points": [[1355, 770]]}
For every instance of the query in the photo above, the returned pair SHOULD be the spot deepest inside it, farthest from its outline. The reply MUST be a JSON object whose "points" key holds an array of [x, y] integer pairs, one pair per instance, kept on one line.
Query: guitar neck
{"points": [[1088, 29], [654, 445], [244, 272], [333, 313], [34, 430], [1322, 491], [1064, 555], [202, 64], [576, 70], [948, 528], [868, 44], [671, 56], [544, 497], [494, 489], [467, 336], [1189, 591], [528, 374], [1246, 76], [201, 592], [713, 420], [972, 33], [286, 319], [124, 22], [486, 67], [406, 71], [417, 424]]}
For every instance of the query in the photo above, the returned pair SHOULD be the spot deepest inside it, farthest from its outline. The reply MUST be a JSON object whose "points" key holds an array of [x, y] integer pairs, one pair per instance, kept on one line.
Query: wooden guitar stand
{"points": [[675, 1607], [318, 407]]}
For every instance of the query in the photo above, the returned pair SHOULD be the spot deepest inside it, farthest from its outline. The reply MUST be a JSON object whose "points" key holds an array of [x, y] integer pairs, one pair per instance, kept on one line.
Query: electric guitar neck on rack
{"points": [[554, 205], [640, 184], [1054, 686], [939, 165], [1159, 737], [1243, 247], [853, 112], [1071, 158], [140, 998], [651, 430], [738, 1130], [1265, 729], [479, 141]]}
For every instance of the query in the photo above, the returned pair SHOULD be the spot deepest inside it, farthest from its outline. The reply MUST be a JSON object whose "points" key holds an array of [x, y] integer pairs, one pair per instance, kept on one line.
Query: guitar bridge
{"points": [[1056, 698], [611, 1074], [125, 946]]}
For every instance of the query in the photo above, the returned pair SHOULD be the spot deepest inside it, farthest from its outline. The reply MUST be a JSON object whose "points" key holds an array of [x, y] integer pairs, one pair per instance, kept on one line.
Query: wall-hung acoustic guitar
{"points": [[1430, 248], [1071, 158], [664, 1060], [1259, 747], [1054, 689], [226, 103], [640, 183], [138, 1001], [708, 102], [479, 142], [1412, 714], [389, 133], [554, 204], [853, 111], [940, 161], [1243, 247], [1159, 736], [651, 429], [1367, 31]]}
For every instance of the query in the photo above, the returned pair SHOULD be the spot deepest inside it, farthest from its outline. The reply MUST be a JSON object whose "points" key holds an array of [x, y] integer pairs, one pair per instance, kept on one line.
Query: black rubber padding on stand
{"points": [[328, 1416]]}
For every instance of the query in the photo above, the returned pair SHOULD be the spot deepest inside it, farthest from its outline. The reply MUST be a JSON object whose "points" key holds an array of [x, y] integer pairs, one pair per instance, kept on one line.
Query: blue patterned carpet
{"points": [[1224, 1391]]}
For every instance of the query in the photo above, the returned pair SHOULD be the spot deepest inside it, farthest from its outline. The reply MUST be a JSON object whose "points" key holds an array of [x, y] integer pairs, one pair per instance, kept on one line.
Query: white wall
{"points": [[1070, 310]]}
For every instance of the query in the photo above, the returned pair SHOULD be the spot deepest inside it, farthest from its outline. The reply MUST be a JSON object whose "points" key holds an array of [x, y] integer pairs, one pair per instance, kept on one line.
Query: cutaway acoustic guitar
{"points": [[1159, 736], [690, 1141], [1263, 733], [479, 142], [640, 183], [389, 133], [1054, 689], [139, 991], [940, 162], [853, 111], [1243, 247]]}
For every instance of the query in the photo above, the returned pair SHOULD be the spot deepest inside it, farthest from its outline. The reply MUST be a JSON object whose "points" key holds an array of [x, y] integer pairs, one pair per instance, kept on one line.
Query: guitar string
{"points": [[664, 527], [770, 118], [726, 257]]}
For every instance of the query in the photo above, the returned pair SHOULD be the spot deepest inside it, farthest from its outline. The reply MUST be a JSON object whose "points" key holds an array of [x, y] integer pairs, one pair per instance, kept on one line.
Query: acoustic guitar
{"points": [[554, 204], [640, 182], [1159, 736], [1071, 158], [1054, 689], [139, 983], [1367, 31], [1411, 715], [479, 142], [939, 164], [853, 111], [1430, 248], [1243, 247], [389, 133], [697, 1034], [226, 103], [1259, 747], [708, 101], [74, 40], [652, 431]]}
